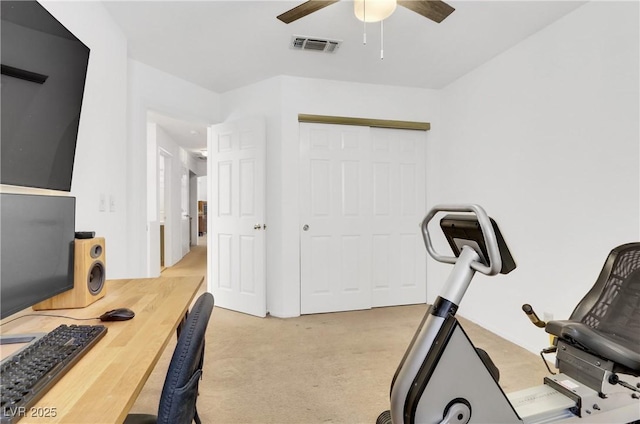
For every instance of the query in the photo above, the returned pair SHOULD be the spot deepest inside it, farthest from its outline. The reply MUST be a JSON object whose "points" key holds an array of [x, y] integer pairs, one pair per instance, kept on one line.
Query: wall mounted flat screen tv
{"points": [[36, 249], [44, 67]]}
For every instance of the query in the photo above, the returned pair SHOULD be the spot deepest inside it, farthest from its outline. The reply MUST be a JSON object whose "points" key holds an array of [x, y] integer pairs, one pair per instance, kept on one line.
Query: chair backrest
{"points": [[180, 390], [612, 305]]}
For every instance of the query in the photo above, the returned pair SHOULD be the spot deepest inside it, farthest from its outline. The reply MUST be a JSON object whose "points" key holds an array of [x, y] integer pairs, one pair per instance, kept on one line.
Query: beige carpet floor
{"points": [[326, 368]]}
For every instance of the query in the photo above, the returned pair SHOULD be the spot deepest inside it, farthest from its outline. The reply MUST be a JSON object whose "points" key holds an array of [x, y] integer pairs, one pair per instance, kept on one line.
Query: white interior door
{"points": [[335, 218], [236, 215], [362, 200]]}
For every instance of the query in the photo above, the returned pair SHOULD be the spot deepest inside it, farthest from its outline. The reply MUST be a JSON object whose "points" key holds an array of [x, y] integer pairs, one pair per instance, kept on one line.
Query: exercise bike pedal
{"points": [[384, 418], [486, 359]]}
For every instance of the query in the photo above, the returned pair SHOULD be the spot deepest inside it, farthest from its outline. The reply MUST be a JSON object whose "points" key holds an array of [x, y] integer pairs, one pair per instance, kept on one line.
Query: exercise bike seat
{"points": [[606, 345], [606, 322]]}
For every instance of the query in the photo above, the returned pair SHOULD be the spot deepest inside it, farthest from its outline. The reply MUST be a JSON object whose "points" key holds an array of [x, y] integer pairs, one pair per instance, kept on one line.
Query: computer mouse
{"points": [[120, 314]]}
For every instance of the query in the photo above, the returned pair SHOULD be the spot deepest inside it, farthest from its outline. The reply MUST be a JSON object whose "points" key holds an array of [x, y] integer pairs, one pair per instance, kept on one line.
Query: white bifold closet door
{"points": [[362, 194]]}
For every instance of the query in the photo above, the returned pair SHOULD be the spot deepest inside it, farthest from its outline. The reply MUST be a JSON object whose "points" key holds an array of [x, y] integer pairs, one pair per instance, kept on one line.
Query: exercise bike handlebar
{"points": [[495, 260]]}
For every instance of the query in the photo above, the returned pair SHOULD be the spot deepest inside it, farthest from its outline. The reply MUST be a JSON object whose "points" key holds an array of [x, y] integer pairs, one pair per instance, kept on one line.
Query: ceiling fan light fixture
{"points": [[373, 10]]}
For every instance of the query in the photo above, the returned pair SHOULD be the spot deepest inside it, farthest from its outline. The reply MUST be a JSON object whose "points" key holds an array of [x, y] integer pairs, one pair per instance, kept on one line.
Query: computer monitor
{"points": [[36, 249], [464, 230], [44, 68]]}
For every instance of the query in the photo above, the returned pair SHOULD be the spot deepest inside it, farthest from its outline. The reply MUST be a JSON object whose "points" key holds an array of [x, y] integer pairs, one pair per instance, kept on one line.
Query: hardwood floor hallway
{"points": [[315, 368]]}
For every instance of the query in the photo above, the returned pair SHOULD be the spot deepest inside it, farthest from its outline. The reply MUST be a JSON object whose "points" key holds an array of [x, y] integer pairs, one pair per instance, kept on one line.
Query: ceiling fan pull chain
{"points": [[364, 22], [382, 39]]}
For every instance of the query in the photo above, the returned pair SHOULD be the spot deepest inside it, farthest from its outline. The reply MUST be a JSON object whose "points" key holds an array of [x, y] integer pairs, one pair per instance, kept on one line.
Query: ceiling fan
{"points": [[373, 10]]}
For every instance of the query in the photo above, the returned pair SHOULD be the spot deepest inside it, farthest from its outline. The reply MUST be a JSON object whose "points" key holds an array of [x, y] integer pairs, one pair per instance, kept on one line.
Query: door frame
{"points": [[168, 197], [151, 218]]}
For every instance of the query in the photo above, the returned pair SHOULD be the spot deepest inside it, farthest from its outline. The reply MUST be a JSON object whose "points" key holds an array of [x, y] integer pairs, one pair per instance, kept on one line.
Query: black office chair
{"points": [[606, 322], [180, 390]]}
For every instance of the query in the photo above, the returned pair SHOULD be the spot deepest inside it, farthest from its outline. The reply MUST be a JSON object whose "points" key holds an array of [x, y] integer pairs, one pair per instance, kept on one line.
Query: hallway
{"points": [[193, 263]]}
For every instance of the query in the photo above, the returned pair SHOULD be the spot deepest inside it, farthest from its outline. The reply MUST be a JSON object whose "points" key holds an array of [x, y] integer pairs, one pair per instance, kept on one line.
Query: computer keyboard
{"points": [[27, 376]]}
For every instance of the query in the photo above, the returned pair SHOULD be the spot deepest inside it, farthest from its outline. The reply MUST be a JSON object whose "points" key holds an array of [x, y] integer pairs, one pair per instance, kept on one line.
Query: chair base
{"points": [[141, 419]]}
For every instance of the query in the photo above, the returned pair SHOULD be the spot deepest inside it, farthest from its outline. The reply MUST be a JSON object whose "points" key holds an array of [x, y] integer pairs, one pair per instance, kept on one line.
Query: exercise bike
{"points": [[443, 378]]}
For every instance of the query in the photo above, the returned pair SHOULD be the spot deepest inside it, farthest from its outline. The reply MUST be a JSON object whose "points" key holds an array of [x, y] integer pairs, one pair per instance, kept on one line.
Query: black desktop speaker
{"points": [[89, 265]]}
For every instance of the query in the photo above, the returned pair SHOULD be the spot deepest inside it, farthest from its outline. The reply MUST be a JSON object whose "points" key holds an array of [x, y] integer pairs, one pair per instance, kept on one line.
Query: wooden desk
{"points": [[104, 384]]}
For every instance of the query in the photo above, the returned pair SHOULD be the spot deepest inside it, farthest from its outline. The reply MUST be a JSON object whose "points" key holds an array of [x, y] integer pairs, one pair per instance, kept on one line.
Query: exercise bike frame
{"points": [[439, 321], [441, 368]]}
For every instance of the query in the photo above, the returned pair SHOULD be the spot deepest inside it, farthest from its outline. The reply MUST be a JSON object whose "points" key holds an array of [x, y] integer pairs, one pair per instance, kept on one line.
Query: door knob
{"points": [[305, 227], [257, 227]]}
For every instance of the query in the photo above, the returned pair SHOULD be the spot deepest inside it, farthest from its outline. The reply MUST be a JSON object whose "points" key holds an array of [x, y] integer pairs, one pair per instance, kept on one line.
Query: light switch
{"points": [[103, 203], [112, 203]]}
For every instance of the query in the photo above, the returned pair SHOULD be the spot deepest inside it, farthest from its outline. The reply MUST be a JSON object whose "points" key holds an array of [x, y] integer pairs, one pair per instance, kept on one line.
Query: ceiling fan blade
{"points": [[304, 9], [435, 10]]}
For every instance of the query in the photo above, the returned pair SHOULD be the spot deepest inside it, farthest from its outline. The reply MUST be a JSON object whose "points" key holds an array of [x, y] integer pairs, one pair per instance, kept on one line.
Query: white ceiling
{"points": [[192, 136], [223, 45]]}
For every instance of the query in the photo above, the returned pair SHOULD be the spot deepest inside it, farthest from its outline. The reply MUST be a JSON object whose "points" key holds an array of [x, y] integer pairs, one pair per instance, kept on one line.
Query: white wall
{"points": [[193, 209], [280, 100], [111, 153], [101, 150], [151, 89], [202, 188], [546, 138]]}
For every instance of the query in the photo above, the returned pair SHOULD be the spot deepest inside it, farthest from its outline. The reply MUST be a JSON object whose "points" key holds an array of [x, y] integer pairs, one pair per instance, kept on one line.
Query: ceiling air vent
{"points": [[299, 42]]}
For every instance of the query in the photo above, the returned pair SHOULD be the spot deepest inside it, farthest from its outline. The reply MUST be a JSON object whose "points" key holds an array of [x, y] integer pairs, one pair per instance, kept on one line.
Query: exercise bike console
{"points": [[483, 235], [464, 230]]}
